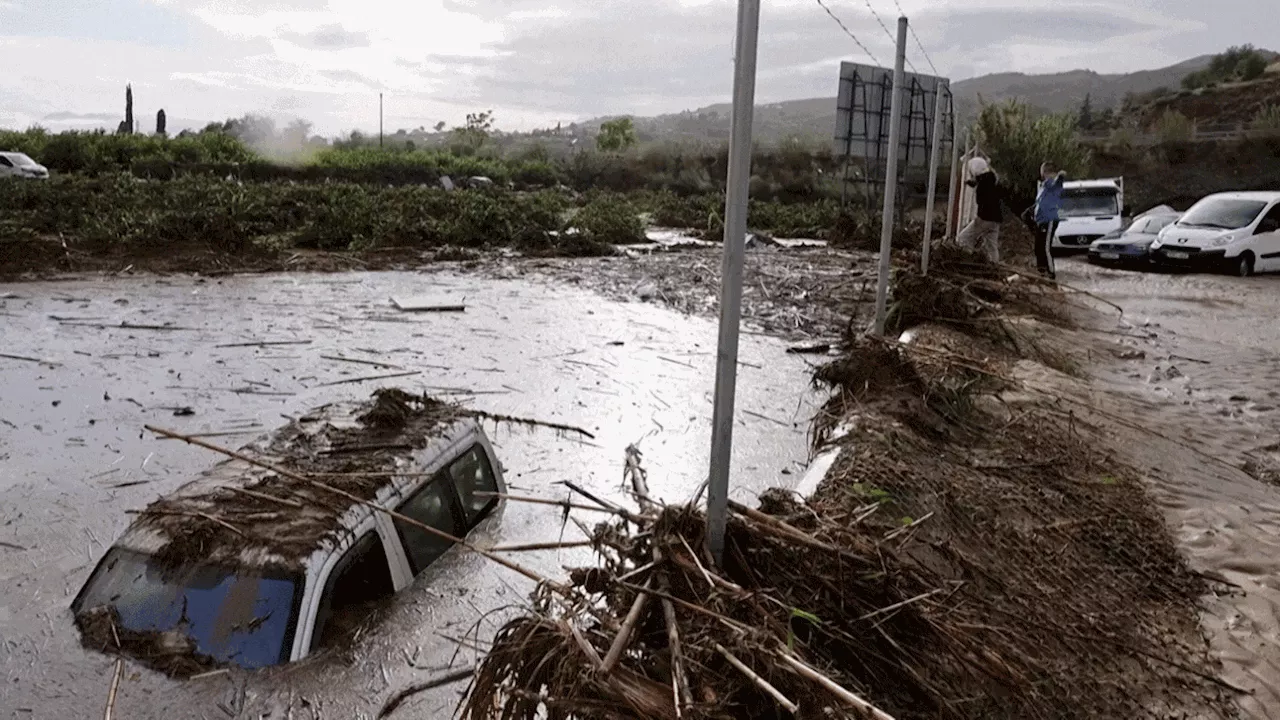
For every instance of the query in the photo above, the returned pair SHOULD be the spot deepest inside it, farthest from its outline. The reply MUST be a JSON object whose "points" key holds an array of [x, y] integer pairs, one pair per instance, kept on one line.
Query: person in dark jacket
{"points": [[984, 230]]}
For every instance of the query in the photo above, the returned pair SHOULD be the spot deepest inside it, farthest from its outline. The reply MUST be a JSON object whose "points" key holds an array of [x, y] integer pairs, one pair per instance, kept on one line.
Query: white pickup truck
{"points": [[1089, 210]]}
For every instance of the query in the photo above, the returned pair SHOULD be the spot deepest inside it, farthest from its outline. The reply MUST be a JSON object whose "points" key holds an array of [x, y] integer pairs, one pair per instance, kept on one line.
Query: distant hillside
{"points": [[814, 119]]}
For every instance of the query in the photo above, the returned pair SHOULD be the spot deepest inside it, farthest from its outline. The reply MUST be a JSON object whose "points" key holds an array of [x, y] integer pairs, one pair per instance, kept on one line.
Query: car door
{"points": [[6, 167], [359, 584], [1266, 240]]}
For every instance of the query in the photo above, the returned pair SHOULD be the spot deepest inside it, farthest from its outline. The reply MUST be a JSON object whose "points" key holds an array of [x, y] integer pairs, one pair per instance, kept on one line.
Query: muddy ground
{"points": [[1205, 353]]}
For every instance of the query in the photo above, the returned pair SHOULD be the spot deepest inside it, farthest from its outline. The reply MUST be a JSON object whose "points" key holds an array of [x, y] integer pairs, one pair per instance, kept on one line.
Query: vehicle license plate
{"points": [[1109, 256], [1176, 255]]}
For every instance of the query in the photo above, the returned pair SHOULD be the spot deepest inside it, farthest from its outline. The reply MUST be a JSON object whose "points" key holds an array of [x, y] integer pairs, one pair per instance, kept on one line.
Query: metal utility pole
{"points": [[933, 178], [379, 119], [955, 170], [735, 232], [891, 178]]}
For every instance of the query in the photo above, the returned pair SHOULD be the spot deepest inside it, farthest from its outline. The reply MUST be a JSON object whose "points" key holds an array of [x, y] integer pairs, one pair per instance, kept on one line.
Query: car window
{"points": [[434, 506], [240, 616], [1086, 202], [1270, 222], [357, 588], [1222, 213], [4, 162], [473, 473]]}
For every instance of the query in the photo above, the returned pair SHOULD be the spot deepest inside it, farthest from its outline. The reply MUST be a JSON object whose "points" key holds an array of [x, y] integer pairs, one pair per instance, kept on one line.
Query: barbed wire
{"points": [[849, 32], [919, 44]]}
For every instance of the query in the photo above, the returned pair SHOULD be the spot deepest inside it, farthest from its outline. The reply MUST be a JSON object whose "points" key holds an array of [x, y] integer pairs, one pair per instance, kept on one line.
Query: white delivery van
{"points": [[1089, 210]]}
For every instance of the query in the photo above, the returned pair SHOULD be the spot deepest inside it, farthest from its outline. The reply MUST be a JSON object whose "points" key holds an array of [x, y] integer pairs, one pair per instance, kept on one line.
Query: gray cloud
{"points": [[330, 37], [975, 29], [63, 116]]}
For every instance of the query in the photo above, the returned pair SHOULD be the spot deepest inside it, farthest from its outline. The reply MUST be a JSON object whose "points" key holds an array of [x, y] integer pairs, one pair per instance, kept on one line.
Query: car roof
{"points": [[244, 515], [14, 154], [1259, 195], [1090, 184]]}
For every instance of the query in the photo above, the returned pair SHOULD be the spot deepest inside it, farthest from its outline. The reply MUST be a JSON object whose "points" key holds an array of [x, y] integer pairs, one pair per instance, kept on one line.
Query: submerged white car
{"points": [[246, 567], [19, 165], [1237, 232]]}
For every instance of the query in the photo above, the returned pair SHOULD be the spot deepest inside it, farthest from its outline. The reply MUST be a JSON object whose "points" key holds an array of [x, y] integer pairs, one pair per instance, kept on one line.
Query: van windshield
{"points": [[1085, 202], [1222, 213], [246, 618]]}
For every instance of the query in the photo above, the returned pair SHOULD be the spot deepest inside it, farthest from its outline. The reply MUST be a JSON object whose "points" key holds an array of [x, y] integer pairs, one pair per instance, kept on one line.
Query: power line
{"points": [[849, 32], [919, 44], [892, 37]]}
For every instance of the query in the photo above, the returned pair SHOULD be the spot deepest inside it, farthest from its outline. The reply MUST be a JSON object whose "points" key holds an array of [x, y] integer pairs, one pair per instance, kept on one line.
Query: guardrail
{"points": [[1201, 133]]}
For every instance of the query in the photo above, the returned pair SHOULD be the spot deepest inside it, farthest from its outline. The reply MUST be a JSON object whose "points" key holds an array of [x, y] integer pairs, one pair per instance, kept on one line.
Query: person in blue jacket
{"points": [[1048, 200]]}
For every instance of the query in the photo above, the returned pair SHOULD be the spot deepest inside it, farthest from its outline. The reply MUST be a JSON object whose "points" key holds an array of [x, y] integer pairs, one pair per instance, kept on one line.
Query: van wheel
{"points": [[1244, 266]]}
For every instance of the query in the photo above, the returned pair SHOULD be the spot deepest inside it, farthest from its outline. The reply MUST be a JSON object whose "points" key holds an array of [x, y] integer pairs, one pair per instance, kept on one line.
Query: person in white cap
{"points": [[984, 230]]}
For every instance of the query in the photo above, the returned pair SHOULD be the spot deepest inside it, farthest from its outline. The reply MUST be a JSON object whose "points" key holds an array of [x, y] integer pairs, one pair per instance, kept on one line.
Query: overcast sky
{"points": [[65, 62]]}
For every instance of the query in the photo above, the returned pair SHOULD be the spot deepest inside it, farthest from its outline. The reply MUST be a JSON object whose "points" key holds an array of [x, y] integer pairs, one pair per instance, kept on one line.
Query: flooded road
{"points": [[1204, 375], [98, 358]]}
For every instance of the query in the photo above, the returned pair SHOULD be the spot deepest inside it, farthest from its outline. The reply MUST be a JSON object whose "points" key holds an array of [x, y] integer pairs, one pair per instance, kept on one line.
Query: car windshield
{"points": [[1222, 213], [1149, 225], [244, 618], [20, 160], [1084, 202]]}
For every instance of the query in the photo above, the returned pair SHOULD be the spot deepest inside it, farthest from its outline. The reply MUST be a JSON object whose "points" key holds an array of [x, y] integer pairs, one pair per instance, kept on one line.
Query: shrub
{"points": [[1267, 119], [1174, 127], [608, 219]]}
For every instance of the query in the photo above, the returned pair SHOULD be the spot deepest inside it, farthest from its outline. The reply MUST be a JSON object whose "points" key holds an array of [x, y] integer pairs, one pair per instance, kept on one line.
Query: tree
{"points": [[126, 125], [1239, 62], [440, 126], [473, 135], [1017, 142], [616, 135], [160, 122], [1085, 119]]}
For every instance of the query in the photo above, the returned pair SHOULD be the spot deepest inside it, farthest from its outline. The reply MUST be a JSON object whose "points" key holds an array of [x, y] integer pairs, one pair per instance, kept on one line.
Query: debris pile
{"points": [[971, 553]]}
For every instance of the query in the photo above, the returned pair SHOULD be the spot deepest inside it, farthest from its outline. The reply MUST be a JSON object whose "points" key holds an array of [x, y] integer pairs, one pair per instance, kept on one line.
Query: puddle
{"points": [[227, 358]]}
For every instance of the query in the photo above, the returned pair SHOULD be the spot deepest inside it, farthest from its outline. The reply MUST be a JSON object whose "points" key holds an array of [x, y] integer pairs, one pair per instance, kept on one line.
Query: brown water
{"points": [[1209, 385], [74, 457]]}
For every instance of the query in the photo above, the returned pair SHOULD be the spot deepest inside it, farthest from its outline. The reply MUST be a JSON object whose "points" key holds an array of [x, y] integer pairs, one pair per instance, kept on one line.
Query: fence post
{"points": [[891, 178], [735, 234], [933, 179]]}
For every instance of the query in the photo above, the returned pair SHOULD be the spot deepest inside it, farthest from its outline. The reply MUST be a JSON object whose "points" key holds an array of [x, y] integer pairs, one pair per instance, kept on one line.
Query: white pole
{"points": [[735, 232], [955, 166], [933, 179], [891, 177]]}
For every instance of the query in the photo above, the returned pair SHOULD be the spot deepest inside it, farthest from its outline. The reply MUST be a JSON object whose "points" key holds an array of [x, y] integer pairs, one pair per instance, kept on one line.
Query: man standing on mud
{"points": [[1048, 199], [984, 230]]}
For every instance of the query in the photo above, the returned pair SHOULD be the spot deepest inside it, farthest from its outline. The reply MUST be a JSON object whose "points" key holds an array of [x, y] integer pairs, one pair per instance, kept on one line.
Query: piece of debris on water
{"points": [[427, 304]]}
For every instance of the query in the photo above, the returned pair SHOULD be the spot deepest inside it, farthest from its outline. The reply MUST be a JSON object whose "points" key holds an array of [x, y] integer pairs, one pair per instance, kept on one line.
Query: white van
{"points": [[1090, 209], [245, 567], [1236, 232]]}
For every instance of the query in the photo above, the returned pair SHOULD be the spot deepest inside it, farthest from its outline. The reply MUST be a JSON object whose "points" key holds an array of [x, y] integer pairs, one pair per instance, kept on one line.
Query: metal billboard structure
{"points": [[863, 112]]}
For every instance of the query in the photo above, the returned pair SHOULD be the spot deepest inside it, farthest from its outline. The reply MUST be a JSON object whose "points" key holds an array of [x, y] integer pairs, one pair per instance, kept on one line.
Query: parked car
{"points": [[245, 567], [19, 165], [1237, 232], [1132, 246], [1090, 209]]}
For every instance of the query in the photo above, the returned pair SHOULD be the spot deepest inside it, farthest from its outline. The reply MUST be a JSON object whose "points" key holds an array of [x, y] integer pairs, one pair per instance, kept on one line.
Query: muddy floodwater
{"points": [[1204, 373], [231, 357]]}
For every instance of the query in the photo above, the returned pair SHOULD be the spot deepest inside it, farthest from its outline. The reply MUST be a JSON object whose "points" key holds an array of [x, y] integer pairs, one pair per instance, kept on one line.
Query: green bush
{"points": [[608, 219], [97, 152]]}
